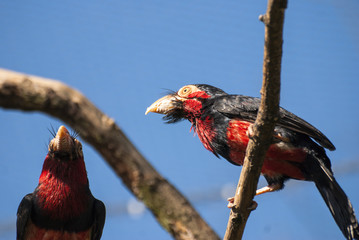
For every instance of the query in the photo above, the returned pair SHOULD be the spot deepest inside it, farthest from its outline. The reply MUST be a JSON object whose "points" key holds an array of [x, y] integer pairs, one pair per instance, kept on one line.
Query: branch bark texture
{"points": [[172, 210], [265, 122]]}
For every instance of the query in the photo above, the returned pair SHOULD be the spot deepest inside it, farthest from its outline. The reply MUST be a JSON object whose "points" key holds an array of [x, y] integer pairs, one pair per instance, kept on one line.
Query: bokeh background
{"points": [[123, 55]]}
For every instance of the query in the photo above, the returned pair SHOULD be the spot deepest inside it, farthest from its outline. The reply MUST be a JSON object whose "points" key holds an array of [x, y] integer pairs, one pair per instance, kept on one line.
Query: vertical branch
{"points": [[265, 122]]}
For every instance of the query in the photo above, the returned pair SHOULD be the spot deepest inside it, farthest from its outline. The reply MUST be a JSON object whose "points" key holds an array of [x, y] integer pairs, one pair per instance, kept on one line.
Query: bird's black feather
{"points": [[99, 220], [23, 216], [246, 108], [335, 198]]}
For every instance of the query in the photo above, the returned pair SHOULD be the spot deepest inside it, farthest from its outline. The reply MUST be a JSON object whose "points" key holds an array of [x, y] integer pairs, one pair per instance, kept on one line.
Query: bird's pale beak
{"points": [[164, 105], [62, 140]]}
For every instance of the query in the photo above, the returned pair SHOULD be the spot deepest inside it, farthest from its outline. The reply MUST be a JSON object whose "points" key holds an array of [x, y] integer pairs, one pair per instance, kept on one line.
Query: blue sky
{"points": [[123, 55]]}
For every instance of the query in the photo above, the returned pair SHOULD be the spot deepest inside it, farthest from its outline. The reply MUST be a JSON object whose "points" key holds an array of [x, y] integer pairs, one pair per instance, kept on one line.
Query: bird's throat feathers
{"points": [[193, 108], [205, 132], [63, 188], [202, 124]]}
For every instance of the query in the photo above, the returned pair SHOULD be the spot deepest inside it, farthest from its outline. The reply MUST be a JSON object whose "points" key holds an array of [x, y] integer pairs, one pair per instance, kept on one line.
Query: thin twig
{"points": [[265, 122]]}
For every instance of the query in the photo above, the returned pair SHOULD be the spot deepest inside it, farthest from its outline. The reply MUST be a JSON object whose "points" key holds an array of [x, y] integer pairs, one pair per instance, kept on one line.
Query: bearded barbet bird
{"points": [[222, 122], [62, 205]]}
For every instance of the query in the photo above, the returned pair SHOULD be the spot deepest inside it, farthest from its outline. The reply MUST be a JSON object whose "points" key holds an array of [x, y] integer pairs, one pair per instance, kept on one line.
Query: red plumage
{"points": [[278, 159], [62, 190]]}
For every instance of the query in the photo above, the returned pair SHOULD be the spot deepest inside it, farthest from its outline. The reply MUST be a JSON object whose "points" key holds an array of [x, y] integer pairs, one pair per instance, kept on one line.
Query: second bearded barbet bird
{"points": [[62, 205], [221, 122]]}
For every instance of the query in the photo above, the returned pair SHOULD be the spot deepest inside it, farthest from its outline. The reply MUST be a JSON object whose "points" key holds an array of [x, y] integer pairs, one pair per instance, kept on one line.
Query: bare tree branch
{"points": [[265, 122], [172, 210]]}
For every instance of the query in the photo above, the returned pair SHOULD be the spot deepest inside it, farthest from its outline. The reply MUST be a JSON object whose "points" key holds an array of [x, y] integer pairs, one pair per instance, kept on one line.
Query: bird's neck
{"points": [[205, 131], [202, 123], [63, 190]]}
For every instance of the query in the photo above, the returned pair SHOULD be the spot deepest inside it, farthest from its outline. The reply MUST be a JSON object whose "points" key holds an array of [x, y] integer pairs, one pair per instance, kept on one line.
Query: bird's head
{"points": [[186, 103], [64, 147]]}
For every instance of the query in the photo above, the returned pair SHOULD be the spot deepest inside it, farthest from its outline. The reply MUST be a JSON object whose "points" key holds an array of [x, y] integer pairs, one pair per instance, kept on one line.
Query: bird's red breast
{"points": [[278, 158], [63, 188]]}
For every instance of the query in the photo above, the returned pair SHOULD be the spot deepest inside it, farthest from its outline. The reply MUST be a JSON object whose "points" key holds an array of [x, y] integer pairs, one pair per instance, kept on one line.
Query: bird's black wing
{"points": [[99, 221], [23, 216], [237, 106], [246, 108], [293, 122]]}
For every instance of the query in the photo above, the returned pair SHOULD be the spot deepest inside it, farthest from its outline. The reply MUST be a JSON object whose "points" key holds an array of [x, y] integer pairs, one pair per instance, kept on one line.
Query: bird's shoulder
{"points": [[235, 106], [99, 219], [23, 215]]}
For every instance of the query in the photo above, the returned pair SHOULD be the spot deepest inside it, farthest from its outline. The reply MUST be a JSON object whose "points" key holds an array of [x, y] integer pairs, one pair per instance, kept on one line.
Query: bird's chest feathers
{"points": [[63, 191], [205, 131], [237, 140], [203, 126]]}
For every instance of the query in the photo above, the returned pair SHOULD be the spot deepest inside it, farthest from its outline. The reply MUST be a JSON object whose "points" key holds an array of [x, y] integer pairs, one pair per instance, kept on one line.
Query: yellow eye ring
{"points": [[185, 91]]}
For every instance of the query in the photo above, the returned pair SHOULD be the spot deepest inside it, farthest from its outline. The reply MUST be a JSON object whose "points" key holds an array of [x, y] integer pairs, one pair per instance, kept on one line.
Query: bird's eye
{"points": [[78, 145], [184, 92], [51, 146]]}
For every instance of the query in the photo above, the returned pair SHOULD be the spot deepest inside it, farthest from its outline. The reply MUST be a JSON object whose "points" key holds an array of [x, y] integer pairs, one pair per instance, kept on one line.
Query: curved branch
{"points": [[172, 210], [265, 122]]}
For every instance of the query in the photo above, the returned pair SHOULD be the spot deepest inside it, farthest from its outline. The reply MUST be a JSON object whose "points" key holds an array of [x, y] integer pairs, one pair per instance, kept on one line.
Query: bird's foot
{"points": [[231, 204], [269, 188]]}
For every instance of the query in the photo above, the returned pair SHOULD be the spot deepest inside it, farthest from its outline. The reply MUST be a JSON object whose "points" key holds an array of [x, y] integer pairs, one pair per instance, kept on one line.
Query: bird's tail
{"points": [[336, 199]]}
